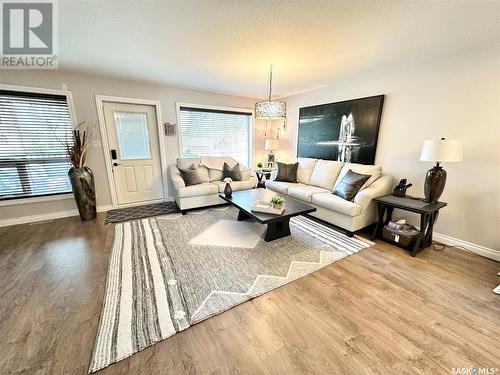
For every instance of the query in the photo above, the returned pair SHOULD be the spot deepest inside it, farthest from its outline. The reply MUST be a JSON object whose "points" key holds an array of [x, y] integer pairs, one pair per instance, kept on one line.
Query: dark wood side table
{"points": [[260, 173], [428, 215]]}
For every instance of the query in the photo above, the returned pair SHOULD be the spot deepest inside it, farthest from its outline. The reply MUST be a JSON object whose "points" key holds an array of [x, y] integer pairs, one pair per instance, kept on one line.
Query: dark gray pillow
{"points": [[350, 184], [190, 176], [287, 172], [233, 173]]}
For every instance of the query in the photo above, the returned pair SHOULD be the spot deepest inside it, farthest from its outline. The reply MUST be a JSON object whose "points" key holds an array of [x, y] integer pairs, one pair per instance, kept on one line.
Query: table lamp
{"points": [[271, 145], [443, 150]]}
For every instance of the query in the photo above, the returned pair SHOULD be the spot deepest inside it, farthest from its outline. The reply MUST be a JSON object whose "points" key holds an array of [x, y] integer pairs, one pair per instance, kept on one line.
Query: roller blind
{"points": [[34, 129], [207, 132]]}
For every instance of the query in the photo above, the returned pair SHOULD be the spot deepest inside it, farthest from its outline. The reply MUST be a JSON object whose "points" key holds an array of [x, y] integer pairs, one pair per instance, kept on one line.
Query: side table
{"points": [[260, 173], [428, 215]]}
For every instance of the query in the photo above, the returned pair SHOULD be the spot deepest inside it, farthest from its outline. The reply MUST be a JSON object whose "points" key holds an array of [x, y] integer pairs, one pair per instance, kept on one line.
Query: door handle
{"points": [[116, 164]]}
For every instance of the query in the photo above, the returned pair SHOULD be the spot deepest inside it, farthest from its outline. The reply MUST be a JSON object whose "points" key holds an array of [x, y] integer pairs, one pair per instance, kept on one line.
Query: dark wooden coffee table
{"points": [[278, 226]]}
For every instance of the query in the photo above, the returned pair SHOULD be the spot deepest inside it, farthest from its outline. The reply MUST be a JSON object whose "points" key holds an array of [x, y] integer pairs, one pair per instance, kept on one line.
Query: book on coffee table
{"points": [[267, 207]]}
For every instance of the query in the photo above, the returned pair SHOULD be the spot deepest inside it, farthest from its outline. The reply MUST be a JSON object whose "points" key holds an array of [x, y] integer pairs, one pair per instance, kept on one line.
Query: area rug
{"points": [[133, 213], [170, 272]]}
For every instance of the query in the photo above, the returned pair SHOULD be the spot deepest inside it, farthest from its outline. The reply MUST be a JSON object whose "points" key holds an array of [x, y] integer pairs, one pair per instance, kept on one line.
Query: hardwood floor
{"points": [[379, 311]]}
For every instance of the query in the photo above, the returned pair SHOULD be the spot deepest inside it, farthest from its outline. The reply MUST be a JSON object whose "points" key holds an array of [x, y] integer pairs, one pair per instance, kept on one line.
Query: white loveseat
{"points": [[316, 180], [206, 193]]}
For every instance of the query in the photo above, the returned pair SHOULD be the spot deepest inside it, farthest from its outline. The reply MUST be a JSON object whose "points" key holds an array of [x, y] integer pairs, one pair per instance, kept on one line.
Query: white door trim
{"points": [[100, 99]]}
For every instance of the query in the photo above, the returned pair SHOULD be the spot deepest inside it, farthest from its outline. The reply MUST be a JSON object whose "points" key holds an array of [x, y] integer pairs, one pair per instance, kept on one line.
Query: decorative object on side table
{"points": [[261, 173], [443, 150], [271, 145], [228, 190], [400, 189], [81, 176], [428, 216]]}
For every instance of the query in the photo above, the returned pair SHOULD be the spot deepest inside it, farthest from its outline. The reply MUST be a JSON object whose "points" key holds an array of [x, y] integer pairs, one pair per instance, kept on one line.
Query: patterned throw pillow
{"points": [[233, 173], [287, 172], [350, 184], [190, 176]]}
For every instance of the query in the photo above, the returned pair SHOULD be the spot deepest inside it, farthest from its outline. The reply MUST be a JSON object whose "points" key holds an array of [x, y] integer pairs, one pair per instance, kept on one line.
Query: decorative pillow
{"points": [[287, 172], [305, 170], [233, 173], [375, 171], [190, 176], [350, 184]]}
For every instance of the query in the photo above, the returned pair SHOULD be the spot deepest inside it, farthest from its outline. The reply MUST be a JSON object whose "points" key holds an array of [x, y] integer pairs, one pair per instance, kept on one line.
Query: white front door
{"points": [[135, 156]]}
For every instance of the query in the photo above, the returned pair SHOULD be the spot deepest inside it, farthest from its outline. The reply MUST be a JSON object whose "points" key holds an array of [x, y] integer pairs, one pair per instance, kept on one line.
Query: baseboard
{"points": [[46, 216], [478, 249]]}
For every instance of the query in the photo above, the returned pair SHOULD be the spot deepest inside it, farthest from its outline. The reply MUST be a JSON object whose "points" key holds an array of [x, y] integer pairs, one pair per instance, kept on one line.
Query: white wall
{"points": [[454, 97], [84, 88]]}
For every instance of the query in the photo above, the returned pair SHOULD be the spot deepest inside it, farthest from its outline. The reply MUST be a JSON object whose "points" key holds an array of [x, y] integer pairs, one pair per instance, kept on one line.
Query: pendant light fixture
{"points": [[270, 109]]}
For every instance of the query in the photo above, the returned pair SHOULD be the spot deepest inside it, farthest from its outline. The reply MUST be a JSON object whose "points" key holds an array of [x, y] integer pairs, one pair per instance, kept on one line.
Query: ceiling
{"points": [[227, 46]]}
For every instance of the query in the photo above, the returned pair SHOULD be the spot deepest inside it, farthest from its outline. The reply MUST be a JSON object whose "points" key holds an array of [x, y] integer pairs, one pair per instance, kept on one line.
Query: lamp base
{"points": [[435, 180]]}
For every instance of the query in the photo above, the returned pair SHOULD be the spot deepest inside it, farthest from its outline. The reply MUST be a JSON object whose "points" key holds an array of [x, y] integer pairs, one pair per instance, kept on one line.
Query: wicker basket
{"points": [[403, 238]]}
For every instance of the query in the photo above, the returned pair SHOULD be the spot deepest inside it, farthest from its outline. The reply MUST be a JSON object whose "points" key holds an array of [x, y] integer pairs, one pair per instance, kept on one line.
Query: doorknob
{"points": [[116, 164]]}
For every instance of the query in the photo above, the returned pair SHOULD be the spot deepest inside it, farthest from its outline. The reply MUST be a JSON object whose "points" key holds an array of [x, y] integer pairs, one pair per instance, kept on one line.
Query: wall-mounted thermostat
{"points": [[169, 129]]}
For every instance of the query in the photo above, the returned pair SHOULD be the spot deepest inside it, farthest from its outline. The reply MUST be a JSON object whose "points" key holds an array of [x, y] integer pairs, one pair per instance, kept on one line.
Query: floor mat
{"points": [[140, 212], [161, 280]]}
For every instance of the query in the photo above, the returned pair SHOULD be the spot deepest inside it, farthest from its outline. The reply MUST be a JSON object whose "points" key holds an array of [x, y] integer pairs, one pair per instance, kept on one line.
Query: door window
{"points": [[132, 134]]}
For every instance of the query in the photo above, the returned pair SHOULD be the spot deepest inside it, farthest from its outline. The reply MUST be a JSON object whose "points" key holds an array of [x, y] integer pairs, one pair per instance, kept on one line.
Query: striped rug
{"points": [[159, 284]]}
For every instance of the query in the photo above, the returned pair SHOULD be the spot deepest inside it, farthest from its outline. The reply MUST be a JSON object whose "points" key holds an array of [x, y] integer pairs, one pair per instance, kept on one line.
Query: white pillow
{"points": [[217, 162], [305, 170], [185, 163], [375, 171], [325, 173]]}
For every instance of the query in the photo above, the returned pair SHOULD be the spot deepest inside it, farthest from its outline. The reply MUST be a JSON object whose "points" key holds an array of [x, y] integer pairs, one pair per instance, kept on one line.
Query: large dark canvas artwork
{"points": [[345, 131]]}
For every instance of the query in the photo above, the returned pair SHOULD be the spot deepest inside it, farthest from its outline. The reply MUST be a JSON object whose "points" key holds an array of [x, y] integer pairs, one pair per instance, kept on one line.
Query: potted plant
{"points": [[278, 202], [259, 165], [228, 191], [80, 175]]}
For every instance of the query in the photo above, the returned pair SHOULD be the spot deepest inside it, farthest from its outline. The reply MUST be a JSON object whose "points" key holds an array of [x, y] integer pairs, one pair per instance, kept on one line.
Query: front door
{"points": [[135, 156]]}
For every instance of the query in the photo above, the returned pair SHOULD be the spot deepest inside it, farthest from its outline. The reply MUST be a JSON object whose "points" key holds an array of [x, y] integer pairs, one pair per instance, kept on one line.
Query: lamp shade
{"points": [[443, 150], [270, 110], [272, 144]]}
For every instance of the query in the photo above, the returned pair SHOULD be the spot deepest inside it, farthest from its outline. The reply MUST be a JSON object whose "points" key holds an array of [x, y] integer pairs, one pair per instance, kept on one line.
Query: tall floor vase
{"points": [[82, 182]]}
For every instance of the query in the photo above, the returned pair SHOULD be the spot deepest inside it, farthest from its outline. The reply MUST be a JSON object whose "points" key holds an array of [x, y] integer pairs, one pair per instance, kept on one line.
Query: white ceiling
{"points": [[227, 46]]}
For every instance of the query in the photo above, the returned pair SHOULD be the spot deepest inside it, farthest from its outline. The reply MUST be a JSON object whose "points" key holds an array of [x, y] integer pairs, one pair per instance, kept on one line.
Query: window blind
{"points": [[34, 130], [207, 132]]}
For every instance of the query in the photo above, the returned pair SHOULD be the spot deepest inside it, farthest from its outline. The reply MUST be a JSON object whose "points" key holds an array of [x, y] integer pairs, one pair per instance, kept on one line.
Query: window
{"points": [[211, 132], [132, 132], [34, 130]]}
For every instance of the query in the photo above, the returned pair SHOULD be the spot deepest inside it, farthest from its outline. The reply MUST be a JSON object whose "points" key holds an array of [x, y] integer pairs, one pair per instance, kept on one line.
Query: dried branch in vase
{"points": [[82, 138]]}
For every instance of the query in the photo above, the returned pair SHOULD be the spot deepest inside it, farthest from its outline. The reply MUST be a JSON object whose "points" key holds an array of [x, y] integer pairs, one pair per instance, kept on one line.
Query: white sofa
{"points": [[206, 193], [316, 180]]}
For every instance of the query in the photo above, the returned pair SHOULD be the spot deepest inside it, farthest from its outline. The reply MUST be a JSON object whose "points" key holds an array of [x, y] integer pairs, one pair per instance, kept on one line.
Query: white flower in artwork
{"points": [[228, 180]]}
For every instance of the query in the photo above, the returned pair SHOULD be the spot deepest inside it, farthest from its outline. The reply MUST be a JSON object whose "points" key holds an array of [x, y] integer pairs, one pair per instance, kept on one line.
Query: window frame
{"points": [[250, 111], [71, 109]]}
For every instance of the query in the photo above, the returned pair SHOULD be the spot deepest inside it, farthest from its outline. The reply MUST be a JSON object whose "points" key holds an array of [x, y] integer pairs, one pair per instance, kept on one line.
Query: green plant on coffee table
{"points": [[259, 165], [277, 200]]}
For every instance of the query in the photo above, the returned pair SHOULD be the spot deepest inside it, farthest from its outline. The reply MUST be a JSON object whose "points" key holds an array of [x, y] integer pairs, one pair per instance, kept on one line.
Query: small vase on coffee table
{"points": [[228, 190]]}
